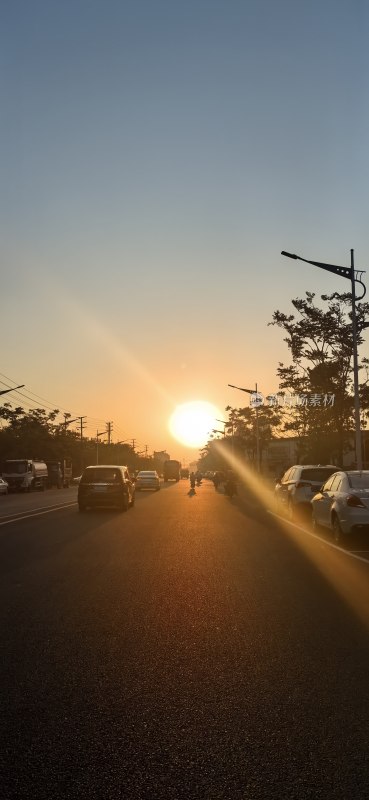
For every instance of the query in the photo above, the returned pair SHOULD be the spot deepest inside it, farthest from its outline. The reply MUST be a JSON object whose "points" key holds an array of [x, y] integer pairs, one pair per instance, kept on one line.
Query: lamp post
{"points": [[69, 421], [5, 391], [224, 422], [253, 391], [103, 433], [355, 277]]}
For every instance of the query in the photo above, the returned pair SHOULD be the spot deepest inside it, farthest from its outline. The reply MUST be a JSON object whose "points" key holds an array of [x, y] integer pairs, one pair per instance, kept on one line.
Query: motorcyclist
{"points": [[192, 480], [230, 486], [216, 480]]}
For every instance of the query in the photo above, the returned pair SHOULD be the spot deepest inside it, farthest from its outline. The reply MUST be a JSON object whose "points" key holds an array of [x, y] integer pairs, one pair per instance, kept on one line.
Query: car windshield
{"points": [[101, 475], [317, 474], [359, 481], [15, 467]]}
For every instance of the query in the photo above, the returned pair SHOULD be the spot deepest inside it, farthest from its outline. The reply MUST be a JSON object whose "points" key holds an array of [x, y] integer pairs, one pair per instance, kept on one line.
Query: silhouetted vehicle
{"points": [[185, 473], [24, 474], [106, 485], [60, 473], [218, 478], [172, 470], [230, 487], [147, 479]]}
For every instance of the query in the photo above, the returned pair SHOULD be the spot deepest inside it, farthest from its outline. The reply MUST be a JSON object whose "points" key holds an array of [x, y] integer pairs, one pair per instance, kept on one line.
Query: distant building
{"points": [[281, 454]]}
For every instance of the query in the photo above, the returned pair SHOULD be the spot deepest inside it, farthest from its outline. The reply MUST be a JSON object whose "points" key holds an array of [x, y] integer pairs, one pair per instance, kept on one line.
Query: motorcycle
{"points": [[230, 488]]}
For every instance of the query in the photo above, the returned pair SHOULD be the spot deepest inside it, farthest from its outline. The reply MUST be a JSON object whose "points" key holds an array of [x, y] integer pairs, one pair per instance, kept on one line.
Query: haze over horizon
{"points": [[156, 158]]}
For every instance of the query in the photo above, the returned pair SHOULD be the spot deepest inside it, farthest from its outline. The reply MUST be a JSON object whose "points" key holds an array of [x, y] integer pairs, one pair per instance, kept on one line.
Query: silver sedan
{"points": [[147, 479], [343, 503]]}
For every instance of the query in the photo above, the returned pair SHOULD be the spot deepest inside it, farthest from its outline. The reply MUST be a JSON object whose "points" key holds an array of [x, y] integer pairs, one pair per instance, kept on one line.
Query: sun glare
{"points": [[192, 423]]}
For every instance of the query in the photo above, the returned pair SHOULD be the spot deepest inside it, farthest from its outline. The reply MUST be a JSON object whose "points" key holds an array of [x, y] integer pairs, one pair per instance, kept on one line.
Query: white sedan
{"points": [[147, 479], [3, 486], [343, 503]]}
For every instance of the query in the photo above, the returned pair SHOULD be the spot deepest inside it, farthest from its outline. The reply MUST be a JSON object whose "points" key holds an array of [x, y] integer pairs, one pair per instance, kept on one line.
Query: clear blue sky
{"points": [[156, 157]]}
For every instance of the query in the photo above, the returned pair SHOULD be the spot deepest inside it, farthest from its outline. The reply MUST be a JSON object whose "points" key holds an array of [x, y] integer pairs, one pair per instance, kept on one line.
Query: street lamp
{"points": [[355, 277], [69, 421], [255, 392], [223, 421], [103, 433], [5, 391]]}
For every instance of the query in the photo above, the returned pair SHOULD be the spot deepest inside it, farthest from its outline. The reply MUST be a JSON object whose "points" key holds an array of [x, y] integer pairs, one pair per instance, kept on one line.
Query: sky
{"points": [[156, 156]]}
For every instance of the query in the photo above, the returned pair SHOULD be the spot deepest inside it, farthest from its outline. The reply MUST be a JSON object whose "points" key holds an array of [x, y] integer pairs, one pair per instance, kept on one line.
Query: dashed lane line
{"points": [[36, 513]]}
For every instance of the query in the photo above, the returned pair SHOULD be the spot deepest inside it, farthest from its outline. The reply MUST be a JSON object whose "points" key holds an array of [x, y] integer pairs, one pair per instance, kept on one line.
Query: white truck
{"points": [[24, 474]]}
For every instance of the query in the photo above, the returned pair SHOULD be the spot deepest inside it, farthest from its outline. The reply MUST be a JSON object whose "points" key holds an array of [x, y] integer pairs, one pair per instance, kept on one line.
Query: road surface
{"points": [[194, 647]]}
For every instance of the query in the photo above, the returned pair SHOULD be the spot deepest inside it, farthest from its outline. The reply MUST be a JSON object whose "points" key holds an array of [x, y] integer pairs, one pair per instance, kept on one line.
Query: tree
{"points": [[243, 422], [27, 432], [320, 344]]}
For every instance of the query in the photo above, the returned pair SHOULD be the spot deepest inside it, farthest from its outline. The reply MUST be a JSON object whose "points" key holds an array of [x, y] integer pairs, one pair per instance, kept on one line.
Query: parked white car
{"points": [[3, 486], [343, 503], [147, 479], [299, 484]]}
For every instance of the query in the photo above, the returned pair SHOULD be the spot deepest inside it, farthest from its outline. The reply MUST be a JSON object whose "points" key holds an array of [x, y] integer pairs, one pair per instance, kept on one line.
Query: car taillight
{"points": [[299, 484], [354, 502]]}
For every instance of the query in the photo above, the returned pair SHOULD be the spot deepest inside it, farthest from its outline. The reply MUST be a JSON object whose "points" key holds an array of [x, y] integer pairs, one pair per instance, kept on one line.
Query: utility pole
{"points": [[82, 425], [109, 429]]}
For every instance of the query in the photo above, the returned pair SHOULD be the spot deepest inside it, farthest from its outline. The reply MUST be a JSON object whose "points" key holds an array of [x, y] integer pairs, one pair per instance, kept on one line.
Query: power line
{"points": [[88, 424], [48, 403]]}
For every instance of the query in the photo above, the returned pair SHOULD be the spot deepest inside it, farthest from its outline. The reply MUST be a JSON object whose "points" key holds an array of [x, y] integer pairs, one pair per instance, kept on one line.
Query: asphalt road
{"points": [[194, 647]]}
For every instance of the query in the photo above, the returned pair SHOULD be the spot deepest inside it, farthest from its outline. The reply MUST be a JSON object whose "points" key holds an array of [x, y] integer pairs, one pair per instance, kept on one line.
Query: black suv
{"points": [[106, 485]]}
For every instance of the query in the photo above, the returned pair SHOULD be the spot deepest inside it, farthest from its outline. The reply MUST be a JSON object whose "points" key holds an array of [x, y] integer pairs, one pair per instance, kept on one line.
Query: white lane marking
{"points": [[39, 508], [38, 513], [319, 539]]}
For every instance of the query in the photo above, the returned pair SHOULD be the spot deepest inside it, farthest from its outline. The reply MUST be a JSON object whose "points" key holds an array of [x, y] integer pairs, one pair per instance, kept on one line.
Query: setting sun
{"points": [[192, 423]]}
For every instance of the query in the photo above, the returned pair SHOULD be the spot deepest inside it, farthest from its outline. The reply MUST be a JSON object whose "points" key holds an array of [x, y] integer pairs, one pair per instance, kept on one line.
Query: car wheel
{"points": [[132, 501], [314, 523], [124, 504], [290, 511], [337, 530]]}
